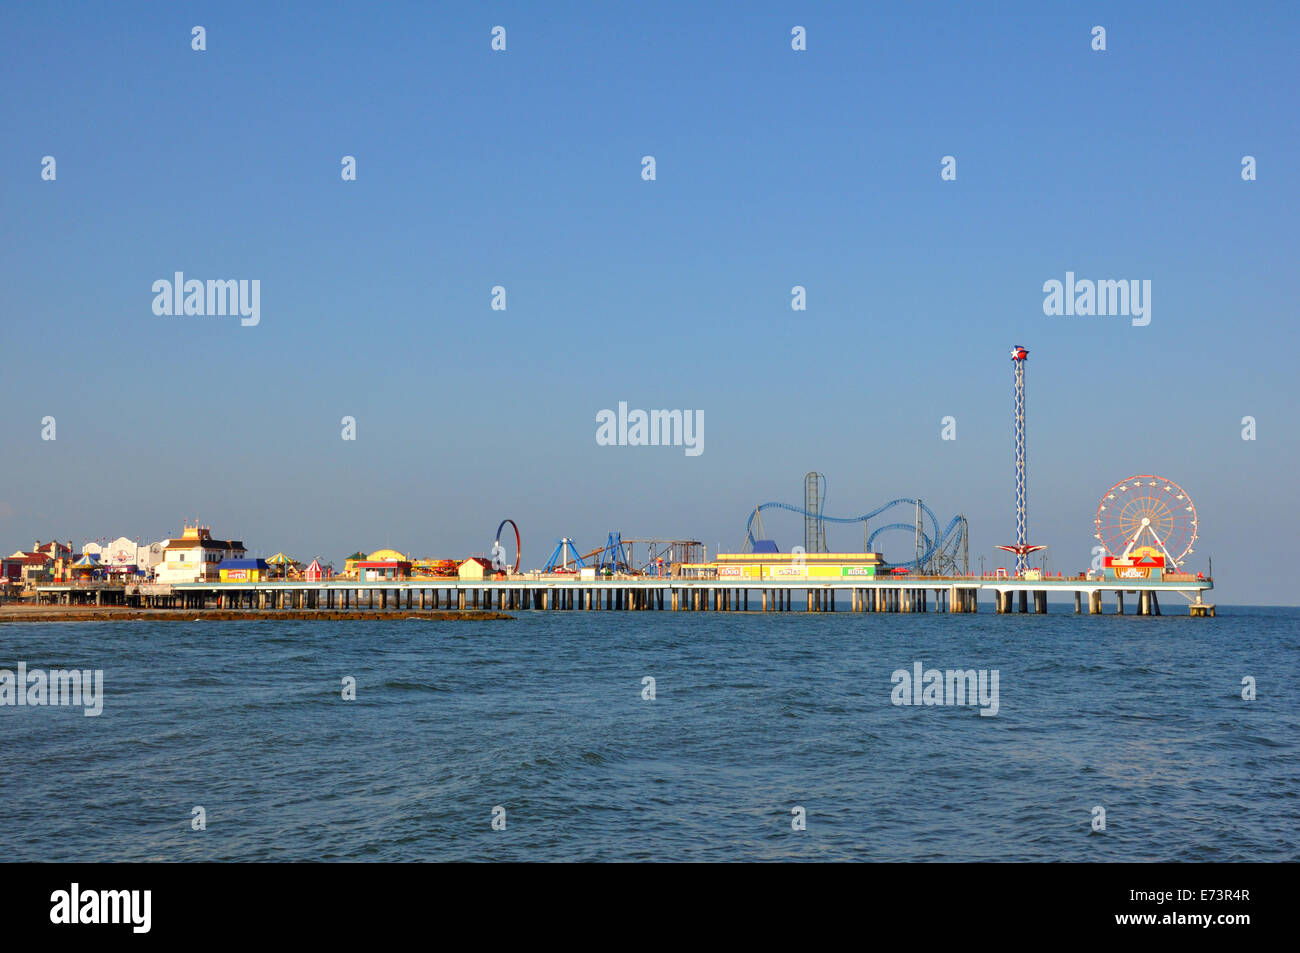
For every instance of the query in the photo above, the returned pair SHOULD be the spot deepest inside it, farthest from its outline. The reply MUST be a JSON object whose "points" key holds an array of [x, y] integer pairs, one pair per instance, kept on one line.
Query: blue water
{"points": [[754, 715]]}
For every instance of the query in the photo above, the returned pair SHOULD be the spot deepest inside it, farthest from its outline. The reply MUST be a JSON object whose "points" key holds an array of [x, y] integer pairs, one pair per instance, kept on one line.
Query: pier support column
{"points": [[1119, 599], [1078, 602]]}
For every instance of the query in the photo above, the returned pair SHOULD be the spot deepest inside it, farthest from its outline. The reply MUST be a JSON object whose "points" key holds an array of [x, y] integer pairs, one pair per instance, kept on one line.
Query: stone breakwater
{"points": [[14, 613]]}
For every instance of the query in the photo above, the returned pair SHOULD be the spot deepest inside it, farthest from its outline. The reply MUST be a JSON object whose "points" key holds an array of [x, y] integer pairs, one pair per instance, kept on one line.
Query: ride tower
{"points": [[1019, 356], [1021, 548]]}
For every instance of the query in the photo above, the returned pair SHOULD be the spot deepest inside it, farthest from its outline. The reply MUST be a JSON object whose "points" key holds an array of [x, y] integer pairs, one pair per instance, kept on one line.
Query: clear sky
{"points": [[522, 168]]}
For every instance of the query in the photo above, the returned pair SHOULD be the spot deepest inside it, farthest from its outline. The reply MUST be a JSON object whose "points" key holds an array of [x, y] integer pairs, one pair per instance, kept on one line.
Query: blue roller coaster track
{"points": [[931, 542]]}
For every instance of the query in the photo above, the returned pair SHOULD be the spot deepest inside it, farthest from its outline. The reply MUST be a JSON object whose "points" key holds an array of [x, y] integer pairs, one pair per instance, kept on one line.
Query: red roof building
{"points": [[315, 572]]}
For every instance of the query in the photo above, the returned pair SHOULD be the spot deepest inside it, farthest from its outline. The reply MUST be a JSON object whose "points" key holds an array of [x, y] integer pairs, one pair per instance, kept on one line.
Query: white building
{"points": [[194, 557], [127, 552]]}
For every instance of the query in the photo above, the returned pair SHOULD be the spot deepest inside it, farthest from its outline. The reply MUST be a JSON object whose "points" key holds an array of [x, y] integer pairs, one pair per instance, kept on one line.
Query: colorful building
{"points": [[1144, 562], [779, 566], [124, 555], [315, 572], [377, 570], [243, 570]]}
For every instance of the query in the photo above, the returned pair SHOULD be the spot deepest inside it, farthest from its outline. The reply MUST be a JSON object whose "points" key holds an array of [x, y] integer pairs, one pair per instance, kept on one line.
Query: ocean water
{"points": [[754, 715]]}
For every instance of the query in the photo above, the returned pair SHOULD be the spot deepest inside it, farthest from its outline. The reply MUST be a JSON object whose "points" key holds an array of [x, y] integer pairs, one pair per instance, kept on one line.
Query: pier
{"points": [[541, 592]]}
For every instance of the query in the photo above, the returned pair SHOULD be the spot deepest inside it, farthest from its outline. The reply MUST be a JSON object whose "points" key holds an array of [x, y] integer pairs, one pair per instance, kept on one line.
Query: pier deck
{"points": [[542, 592]]}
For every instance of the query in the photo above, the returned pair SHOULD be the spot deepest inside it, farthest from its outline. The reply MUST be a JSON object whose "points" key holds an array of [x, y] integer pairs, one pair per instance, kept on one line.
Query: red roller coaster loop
{"points": [[517, 546]]}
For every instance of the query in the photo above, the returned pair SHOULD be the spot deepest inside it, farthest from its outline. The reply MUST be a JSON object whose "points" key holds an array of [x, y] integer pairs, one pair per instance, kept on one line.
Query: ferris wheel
{"points": [[1147, 513]]}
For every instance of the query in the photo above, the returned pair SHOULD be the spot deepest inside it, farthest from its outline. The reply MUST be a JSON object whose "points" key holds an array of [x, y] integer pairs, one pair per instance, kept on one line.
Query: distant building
{"points": [[476, 567], [11, 570], [29, 568], [374, 570], [242, 570], [54, 550], [124, 555], [194, 557], [315, 572], [382, 564], [350, 564]]}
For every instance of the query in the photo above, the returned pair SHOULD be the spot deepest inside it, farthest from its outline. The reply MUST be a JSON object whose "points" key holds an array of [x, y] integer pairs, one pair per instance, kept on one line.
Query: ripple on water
{"points": [[753, 716]]}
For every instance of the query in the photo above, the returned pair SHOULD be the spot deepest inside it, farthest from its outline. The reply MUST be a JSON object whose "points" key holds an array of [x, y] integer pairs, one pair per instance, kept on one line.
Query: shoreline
{"points": [[16, 613]]}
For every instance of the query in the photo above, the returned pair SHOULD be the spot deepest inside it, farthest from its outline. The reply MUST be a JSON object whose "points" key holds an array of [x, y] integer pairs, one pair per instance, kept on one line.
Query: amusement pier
{"points": [[676, 594], [1144, 532]]}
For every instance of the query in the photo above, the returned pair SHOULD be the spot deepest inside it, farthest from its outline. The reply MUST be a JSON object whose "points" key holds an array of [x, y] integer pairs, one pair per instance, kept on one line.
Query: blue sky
{"points": [[775, 168]]}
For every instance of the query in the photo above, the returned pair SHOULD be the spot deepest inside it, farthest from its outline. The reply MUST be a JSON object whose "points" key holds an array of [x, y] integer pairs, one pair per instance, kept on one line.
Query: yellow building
{"points": [[350, 565], [476, 567], [243, 570], [782, 566]]}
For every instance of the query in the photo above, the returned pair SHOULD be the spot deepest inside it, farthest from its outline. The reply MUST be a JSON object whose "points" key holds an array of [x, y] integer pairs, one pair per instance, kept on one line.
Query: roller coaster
{"points": [[936, 552]]}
